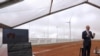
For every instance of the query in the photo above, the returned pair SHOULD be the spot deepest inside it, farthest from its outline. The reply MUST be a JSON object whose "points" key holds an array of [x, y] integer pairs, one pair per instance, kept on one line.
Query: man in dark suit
{"points": [[87, 36]]}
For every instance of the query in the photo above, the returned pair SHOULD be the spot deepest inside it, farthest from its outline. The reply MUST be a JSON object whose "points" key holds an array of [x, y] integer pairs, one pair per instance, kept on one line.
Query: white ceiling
{"points": [[30, 9], [23, 11]]}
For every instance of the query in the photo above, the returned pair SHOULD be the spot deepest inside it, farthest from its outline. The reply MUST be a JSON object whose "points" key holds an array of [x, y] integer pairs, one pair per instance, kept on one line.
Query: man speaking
{"points": [[87, 36]]}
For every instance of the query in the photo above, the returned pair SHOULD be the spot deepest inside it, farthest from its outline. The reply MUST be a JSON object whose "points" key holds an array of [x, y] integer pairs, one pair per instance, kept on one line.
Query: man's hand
{"points": [[93, 34]]}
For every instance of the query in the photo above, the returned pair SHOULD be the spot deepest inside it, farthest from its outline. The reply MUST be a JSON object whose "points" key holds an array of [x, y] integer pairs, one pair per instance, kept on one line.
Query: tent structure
{"points": [[62, 19]]}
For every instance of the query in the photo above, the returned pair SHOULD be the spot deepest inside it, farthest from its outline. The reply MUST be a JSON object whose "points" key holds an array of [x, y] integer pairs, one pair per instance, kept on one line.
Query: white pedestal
{"points": [[3, 50]]}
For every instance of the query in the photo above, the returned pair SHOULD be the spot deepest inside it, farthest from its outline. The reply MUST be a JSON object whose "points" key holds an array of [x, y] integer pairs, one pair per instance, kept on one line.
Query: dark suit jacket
{"points": [[87, 40]]}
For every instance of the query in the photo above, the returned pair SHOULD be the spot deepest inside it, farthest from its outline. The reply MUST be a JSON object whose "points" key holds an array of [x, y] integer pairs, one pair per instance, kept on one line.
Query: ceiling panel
{"points": [[24, 11], [4, 26], [97, 2], [1, 1], [5, 3], [61, 4]]}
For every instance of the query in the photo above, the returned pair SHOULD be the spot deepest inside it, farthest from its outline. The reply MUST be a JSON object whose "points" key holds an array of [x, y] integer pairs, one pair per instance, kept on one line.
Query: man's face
{"points": [[87, 27]]}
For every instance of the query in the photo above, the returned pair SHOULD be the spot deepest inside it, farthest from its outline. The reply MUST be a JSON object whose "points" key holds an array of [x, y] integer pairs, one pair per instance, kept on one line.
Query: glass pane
{"points": [[54, 28], [82, 17], [57, 26], [61, 4], [97, 2], [48, 27], [24, 11]]}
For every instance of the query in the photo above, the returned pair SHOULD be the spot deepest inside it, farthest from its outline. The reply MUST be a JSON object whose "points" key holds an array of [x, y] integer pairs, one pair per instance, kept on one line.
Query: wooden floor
{"points": [[63, 49]]}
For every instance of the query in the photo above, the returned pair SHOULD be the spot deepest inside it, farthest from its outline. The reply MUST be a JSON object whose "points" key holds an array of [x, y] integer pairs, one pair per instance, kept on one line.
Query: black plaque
{"points": [[15, 35], [20, 49]]}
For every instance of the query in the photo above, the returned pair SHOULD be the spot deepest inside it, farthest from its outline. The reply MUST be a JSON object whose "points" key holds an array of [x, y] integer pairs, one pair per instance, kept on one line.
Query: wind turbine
{"points": [[69, 27]]}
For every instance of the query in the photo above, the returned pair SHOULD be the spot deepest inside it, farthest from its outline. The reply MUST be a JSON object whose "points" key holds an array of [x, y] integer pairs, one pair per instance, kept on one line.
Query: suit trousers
{"points": [[86, 47]]}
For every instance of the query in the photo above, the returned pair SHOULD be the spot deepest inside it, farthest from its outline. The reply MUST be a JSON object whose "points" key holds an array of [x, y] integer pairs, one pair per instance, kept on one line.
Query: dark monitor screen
{"points": [[15, 35]]}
